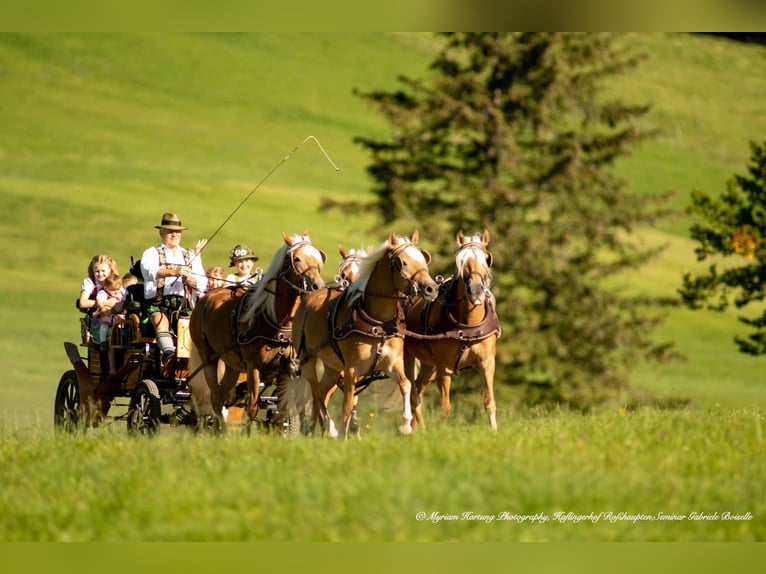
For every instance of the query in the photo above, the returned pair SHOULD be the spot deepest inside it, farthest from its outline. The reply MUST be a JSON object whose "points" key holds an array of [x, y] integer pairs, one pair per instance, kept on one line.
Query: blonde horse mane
{"points": [[367, 265], [264, 297], [473, 247]]}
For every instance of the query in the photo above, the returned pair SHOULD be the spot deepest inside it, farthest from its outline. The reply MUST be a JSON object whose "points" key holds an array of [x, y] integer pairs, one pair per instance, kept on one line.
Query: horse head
{"points": [[303, 263], [473, 265], [411, 262], [351, 265]]}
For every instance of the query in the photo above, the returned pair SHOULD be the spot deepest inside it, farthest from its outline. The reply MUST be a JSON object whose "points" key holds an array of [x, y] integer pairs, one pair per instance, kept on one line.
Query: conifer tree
{"points": [[513, 132], [731, 229]]}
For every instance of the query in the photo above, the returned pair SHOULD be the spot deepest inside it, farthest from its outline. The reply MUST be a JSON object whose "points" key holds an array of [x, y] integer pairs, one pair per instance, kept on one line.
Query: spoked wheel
{"points": [[145, 409], [66, 410], [291, 424]]}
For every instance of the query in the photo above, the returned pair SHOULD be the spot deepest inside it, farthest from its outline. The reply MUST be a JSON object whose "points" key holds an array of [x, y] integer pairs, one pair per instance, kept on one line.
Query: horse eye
{"points": [[297, 259]]}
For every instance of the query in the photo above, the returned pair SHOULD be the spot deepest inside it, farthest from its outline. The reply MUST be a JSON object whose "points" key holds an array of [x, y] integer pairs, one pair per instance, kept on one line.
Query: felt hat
{"points": [[171, 221], [240, 252]]}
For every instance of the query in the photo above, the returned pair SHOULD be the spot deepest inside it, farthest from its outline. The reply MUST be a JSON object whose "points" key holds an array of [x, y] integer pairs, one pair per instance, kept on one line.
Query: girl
{"points": [[243, 258], [109, 303], [100, 267]]}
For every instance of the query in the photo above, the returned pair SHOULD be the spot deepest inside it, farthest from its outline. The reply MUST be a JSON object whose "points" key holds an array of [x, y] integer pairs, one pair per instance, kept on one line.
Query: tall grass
{"points": [[622, 471]]}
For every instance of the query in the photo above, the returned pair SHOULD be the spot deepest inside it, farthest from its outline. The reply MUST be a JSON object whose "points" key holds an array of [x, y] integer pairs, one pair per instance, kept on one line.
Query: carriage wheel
{"points": [[145, 409], [66, 409], [291, 425]]}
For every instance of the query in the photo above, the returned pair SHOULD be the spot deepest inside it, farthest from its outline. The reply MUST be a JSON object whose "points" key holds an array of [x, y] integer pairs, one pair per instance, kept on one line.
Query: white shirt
{"points": [[89, 285], [232, 279], [150, 265]]}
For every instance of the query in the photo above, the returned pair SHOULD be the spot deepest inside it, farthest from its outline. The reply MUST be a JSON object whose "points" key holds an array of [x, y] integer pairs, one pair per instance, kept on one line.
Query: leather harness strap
{"points": [[261, 326]]}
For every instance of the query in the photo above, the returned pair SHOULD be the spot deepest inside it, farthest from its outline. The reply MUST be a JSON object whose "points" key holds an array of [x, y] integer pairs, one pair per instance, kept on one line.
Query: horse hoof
{"points": [[405, 429]]}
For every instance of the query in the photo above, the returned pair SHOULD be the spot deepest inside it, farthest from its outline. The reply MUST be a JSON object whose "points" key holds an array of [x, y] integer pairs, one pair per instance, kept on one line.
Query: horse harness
{"points": [[261, 326], [448, 327], [359, 322]]}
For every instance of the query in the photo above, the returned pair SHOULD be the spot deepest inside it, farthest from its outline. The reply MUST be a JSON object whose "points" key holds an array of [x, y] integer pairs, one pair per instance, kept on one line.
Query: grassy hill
{"points": [[103, 133]]}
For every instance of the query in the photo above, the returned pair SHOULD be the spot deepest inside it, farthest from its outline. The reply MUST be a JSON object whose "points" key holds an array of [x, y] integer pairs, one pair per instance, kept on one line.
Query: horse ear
{"points": [[485, 236], [392, 240], [414, 237], [287, 238], [460, 238], [490, 259], [427, 255], [342, 251]]}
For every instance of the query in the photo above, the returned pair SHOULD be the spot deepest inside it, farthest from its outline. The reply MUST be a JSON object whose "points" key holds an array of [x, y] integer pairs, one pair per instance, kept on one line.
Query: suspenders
{"points": [[164, 265]]}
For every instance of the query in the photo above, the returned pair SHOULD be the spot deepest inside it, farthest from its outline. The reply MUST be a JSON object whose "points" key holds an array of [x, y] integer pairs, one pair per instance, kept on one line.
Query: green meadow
{"points": [[101, 134]]}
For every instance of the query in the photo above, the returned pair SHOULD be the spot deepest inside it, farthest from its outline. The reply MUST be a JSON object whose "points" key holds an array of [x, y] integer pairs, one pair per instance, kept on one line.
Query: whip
{"points": [[275, 168]]}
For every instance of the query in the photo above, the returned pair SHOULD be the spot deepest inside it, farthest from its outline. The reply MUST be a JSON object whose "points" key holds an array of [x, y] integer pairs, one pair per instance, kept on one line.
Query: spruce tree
{"points": [[512, 132], [731, 229]]}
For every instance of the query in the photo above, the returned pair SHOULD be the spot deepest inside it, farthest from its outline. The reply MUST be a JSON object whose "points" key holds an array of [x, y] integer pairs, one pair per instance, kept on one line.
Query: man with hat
{"points": [[243, 258], [171, 275]]}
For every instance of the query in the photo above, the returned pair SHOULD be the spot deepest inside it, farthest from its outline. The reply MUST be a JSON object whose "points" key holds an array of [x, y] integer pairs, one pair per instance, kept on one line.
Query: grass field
{"points": [[103, 133], [560, 477]]}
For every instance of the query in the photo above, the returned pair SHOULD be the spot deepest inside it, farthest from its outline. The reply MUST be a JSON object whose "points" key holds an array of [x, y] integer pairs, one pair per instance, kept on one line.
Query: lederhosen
{"points": [[169, 305]]}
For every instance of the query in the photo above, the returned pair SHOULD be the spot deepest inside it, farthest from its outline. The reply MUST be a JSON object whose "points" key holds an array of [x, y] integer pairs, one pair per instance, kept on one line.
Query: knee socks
{"points": [[165, 343]]}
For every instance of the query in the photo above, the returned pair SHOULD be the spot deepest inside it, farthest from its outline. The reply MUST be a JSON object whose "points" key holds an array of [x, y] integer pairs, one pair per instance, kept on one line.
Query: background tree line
{"points": [[513, 133]]}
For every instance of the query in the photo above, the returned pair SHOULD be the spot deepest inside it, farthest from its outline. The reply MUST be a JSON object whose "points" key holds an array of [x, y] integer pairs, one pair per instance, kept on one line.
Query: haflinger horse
{"points": [[350, 266], [348, 271], [359, 330], [252, 333], [456, 331]]}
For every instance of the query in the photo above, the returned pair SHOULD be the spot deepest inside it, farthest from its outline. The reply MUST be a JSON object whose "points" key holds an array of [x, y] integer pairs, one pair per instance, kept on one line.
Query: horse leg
{"points": [[405, 386], [319, 414], [304, 400], [409, 370], [200, 385], [444, 378], [349, 386], [253, 390], [328, 384], [327, 380], [228, 380], [424, 378], [487, 370]]}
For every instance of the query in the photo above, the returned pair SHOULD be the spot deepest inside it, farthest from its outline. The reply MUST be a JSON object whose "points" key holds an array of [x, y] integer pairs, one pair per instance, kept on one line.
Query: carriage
{"points": [[143, 392]]}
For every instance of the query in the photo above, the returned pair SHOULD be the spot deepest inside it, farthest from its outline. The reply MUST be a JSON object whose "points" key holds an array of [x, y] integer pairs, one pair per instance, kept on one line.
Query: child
{"points": [[243, 258], [109, 303], [215, 277], [100, 267]]}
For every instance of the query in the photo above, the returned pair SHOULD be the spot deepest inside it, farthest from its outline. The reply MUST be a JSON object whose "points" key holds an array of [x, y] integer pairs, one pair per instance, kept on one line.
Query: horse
{"points": [[359, 330], [252, 332], [458, 330], [348, 272], [350, 265]]}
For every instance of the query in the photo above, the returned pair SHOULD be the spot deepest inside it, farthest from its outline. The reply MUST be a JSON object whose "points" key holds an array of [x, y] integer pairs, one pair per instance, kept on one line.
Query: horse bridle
{"points": [[347, 261], [289, 265], [483, 277], [395, 262]]}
